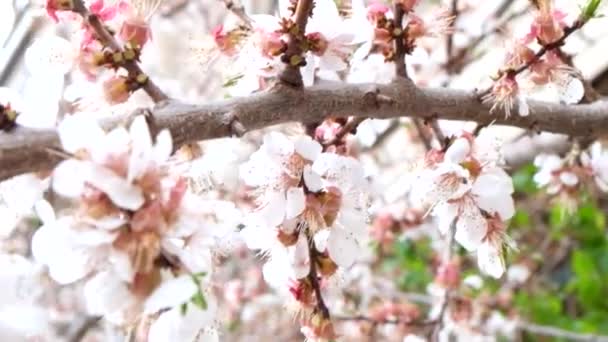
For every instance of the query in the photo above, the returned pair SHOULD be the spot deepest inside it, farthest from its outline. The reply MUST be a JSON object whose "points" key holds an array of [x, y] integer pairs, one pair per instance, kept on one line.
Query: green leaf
{"points": [[590, 9], [199, 300], [230, 82]]}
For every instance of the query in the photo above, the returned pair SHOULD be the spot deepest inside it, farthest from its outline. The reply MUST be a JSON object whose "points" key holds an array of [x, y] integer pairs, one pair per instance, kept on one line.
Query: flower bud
{"points": [[53, 6], [116, 90], [135, 32]]}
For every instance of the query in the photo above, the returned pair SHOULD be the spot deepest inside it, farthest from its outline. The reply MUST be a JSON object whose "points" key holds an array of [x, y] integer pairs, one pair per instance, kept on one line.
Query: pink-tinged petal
{"points": [[108, 13], [121, 192], [96, 6], [342, 246], [171, 293], [148, 218], [299, 258], [176, 194], [296, 202], [471, 227]]}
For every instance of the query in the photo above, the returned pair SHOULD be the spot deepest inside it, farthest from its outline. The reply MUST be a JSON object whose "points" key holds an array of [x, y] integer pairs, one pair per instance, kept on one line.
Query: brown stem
{"points": [[449, 47], [349, 127], [314, 280], [400, 66], [291, 74]]}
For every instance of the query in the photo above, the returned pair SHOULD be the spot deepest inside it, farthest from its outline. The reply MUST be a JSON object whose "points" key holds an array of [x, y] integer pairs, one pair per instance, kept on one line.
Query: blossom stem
{"points": [[291, 75], [349, 127], [449, 46], [314, 281], [400, 52], [107, 39]]}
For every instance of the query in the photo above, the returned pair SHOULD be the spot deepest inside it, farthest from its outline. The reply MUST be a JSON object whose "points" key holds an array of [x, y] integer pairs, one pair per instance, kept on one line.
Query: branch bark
{"points": [[26, 150]]}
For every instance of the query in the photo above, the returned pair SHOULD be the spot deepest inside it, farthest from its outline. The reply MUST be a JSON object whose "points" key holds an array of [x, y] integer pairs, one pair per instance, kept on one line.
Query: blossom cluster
{"points": [[471, 196], [549, 68], [141, 239]]}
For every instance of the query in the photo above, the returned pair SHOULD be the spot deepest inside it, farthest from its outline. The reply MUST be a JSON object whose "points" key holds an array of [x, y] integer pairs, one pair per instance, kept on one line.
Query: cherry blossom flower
{"points": [[276, 170], [506, 95], [54, 6], [548, 23], [554, 174]]}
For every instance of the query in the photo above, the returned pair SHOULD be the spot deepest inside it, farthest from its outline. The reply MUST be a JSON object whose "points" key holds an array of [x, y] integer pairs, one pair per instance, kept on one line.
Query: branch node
{"points": [[236, 126]]}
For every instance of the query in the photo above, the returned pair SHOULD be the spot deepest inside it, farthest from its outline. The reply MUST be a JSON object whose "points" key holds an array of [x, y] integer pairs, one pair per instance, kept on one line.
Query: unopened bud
{"points": [[134, 32], [116, 90]]}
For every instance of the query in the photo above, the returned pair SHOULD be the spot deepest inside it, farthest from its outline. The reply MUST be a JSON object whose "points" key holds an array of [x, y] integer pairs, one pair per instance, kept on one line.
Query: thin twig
{"points": [[349, 127], [85, 325], [400, 65], [422, 134], [559, 333], [314, 281], [449, 47], [107, 39], [291, 75]]}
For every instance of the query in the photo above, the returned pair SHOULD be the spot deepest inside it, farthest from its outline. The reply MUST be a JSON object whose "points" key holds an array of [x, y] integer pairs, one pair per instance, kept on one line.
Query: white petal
{"points": [[296, 202], [50, 54], [170, 294], [312, 180], [78, 132], [320, 239], [273, 209], [471, 228], [121, 192], [44, 211], [458, 151], [300, 260], [69, 177], [446, 213], [490, 260], [163, 147], [568, 178], [141, 147], [105, 294], [308, 148], [343, 248]]}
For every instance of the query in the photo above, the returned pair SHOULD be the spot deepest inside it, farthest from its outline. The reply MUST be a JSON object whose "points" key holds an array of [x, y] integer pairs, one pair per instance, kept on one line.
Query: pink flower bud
{"points": [[270, 43], [53, 6], [318, 43], [135, 32], [116, 90], [376, 12]]}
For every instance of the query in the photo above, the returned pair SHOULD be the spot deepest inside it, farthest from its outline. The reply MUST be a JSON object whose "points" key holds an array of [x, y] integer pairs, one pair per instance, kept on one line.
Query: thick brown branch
{"points": [[107, 39], [25, 150]]}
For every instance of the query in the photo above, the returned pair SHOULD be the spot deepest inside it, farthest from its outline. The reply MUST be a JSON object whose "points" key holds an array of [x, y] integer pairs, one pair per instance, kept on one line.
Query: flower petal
{"points": [[471, 228], [296, 202], [343, 248], [170, 294], [121, 192]]}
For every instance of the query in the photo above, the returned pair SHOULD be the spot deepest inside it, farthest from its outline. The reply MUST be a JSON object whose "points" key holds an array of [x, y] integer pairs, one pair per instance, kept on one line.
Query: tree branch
{"points": [[26, 150], [400, 66]]}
